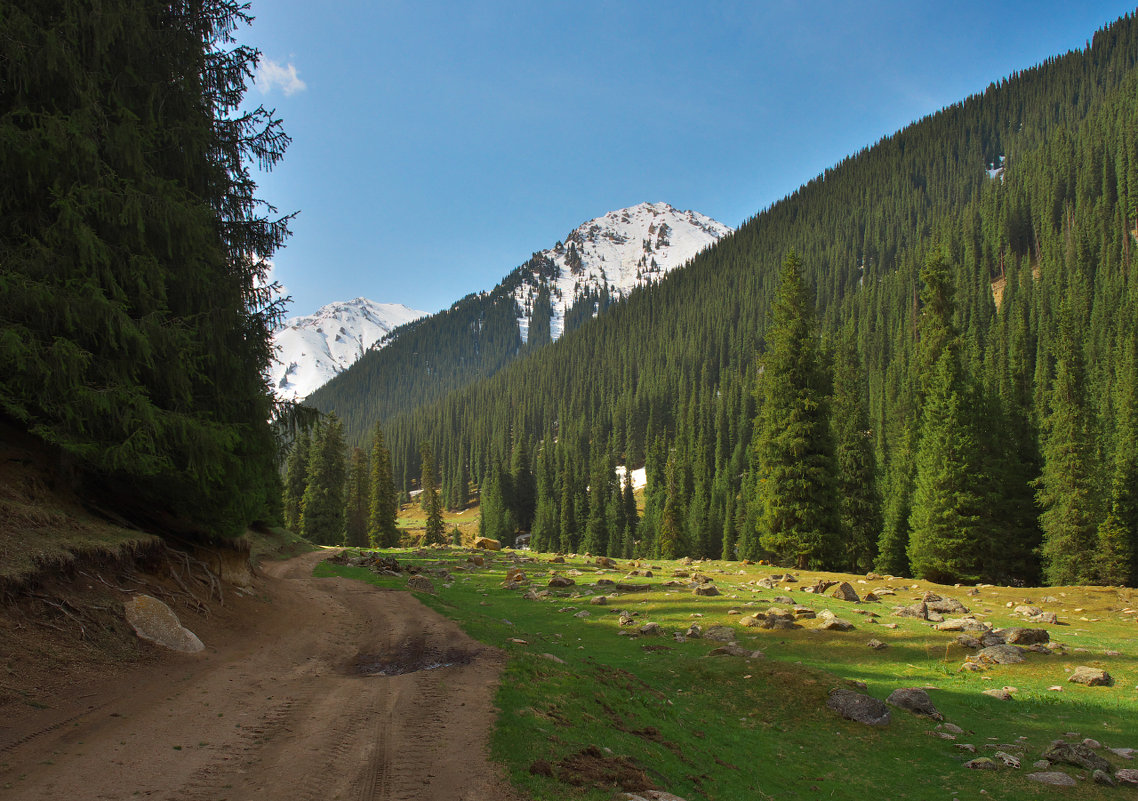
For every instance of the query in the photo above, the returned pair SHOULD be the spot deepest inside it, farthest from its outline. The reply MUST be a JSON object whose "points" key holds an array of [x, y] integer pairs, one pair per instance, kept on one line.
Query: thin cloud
{"points": [[271, 74]]}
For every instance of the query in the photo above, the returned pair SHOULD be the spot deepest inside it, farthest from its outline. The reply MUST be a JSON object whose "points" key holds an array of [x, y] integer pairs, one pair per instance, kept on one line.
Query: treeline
{"points": [[335, 495], [134, 316], [972, 389]]}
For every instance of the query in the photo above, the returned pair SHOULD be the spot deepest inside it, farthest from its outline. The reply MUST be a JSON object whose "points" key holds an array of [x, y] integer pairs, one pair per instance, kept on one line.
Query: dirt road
{"points": [[289, 701]]}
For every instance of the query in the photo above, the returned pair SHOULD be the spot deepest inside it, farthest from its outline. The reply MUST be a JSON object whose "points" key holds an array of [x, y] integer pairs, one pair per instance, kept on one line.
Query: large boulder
{"points": [[1001, 654], [1018, 636], [487, 544], [154, 621], [1091, 677], [1053, 777], [1075, 754], [706, 590], [858, 707], [561, 581], [845, 592], [915, 700]]}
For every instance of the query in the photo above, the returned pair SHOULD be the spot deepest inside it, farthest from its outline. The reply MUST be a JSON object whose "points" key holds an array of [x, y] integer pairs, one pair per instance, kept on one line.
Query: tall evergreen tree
{"points": [[429, 498], [859, 505], [322, 510], [497, 520], [545, 533], [794, 456], [524, 486], [356, 500], [1118, 532], [945, 532], [296, 479], [135, 320], [1067, 486], [383, 503]]}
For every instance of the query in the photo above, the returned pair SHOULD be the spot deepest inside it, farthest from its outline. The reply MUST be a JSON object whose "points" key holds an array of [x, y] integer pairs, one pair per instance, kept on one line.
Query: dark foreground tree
{"points": [[135, 319], [383, 502], [429, 499]]}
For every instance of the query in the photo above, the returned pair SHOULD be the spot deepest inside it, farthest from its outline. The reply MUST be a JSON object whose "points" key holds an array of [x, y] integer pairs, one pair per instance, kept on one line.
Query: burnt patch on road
{"points": [[411, 656]]}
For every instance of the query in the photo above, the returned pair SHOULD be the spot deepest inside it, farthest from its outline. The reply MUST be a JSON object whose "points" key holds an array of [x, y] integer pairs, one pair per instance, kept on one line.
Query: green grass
{"points": [[729, 728]]}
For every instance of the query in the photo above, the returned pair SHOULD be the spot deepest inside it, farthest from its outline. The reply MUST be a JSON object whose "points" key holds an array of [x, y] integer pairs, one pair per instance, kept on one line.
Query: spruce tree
{"points": [[1067, 492], [1118, 532], [524, 486], [356, 500], [944, 523], [545, 533], [383, 503], [296, 480], [429, 498], [322, 510], [945, 531], [859, 505], [670, 535], [793, 456], [135, 318], [497, 519]]}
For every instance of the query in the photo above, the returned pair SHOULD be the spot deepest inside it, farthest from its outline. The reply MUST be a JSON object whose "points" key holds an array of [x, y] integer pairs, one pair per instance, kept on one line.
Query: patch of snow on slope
{"points": [[313, 349], [620, 251]]}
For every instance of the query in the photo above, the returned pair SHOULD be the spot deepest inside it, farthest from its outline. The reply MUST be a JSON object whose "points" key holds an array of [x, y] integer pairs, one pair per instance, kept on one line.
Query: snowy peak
{"points": [[312, 349], [616, 253]]}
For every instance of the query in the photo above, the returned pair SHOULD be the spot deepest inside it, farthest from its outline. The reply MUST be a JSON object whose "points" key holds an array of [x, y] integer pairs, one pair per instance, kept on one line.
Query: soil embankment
{"points": [[312, 689]]}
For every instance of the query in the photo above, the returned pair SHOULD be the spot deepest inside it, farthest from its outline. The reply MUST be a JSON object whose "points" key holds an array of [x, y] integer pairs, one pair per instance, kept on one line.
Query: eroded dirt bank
{"points": [[300, 694]]}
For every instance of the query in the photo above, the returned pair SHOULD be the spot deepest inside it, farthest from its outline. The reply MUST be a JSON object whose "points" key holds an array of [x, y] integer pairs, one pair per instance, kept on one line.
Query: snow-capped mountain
{"points": [[622, 250], [311, 350]]}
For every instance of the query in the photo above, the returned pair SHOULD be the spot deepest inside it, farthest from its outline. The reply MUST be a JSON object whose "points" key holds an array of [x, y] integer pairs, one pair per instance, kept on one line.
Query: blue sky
{"points": [[438, 144]]}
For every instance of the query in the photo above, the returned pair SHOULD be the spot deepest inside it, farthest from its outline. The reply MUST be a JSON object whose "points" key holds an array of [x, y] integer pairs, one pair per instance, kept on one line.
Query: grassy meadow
{"points": [[587, 705]]}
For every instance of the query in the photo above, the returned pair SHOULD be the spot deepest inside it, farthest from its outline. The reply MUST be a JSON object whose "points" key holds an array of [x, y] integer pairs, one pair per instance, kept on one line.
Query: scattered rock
{"points": [[1027, 610], [553, 658], [719, 633], [734, 649], [1103, 777], [915, 700], [962, 624], [1009, 760], [605, 562], [1053, 777], [1017, 636], [971, 749], [706, 590], [651, 629], [1041, 764], [420, 584], [982, 763], [999, 693], [858, 707], [1001, 654], [1091, 677], [1045, 617], [600, 600], [626, 618], [1091, 743], [877, 645], [819, 587], [476, 560], [583, 614], [784, 599], [1128, 776], [1125, 753], [557, 560], [154, 621], [846, 592], [968, 641], [487, 544], [919, 610], [835, 624], [1075, 754], [694, 631], [561, 581]]}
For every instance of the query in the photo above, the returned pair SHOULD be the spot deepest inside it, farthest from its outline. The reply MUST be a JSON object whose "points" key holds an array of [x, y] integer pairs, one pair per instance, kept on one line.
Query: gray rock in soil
{"points": [[1075, 754], [1127, 776], [1102, 777], [1053, 777], [720, 634], [915, 700], [846, 592], [858, 707]]}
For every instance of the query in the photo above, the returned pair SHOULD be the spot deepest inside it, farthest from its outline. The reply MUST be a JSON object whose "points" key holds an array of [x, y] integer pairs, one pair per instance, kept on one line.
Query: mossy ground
{"points": [[732, 728]]}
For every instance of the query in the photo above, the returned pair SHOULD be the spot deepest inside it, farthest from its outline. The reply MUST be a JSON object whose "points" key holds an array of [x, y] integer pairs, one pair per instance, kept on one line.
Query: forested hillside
{"points": [[134, 316], [554, 291], [968, 287]]}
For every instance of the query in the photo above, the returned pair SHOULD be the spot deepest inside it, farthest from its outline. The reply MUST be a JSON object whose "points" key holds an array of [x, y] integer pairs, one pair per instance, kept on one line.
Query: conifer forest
{"points": [[923, 362]]}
